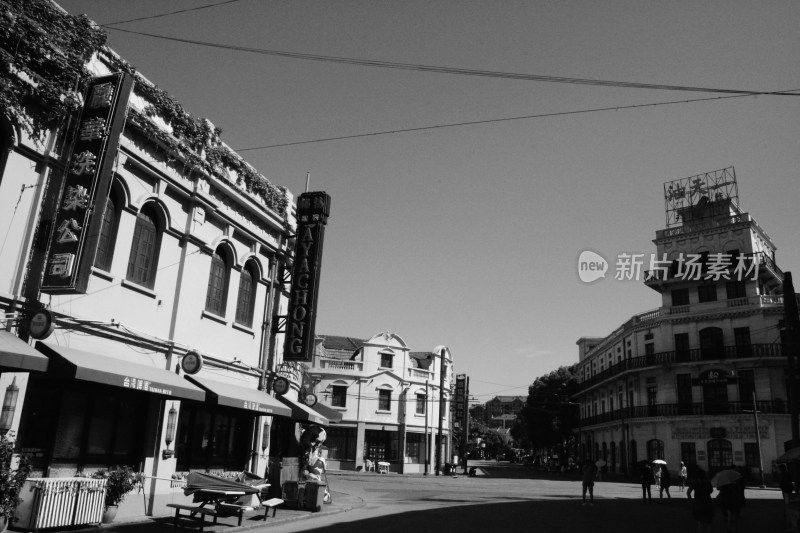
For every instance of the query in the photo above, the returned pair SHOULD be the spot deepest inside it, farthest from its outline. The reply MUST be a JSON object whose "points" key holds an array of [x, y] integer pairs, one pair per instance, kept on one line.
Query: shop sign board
{"points": [[84, 190], [313, 209]]}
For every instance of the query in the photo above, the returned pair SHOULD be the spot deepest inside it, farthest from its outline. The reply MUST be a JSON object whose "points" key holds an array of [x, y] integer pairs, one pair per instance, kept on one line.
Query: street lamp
{"points": [[9, 406]]}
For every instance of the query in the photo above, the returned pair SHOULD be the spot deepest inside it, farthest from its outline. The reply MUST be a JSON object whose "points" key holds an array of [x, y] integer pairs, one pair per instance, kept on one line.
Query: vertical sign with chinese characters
{"points": [[84, 192], [313, 209], [460, 402]]}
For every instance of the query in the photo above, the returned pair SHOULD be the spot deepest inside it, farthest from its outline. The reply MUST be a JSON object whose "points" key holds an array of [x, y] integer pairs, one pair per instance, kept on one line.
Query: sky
{"points": [[468, 236]]}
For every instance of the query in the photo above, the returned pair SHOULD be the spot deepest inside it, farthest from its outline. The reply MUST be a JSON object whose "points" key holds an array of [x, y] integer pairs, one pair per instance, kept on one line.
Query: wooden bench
{"points": [[273, 504], [233, 509], [193, 510]]}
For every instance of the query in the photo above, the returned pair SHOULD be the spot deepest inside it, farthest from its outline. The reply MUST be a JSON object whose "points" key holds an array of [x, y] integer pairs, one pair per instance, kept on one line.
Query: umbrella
{"points": [[659, 462], [725, 477], [791, 455], [600, 463]]}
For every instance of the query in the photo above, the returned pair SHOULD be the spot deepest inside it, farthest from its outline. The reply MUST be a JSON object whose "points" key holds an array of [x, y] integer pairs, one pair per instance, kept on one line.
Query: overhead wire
{"points": [[459, 71], [106, 24]]}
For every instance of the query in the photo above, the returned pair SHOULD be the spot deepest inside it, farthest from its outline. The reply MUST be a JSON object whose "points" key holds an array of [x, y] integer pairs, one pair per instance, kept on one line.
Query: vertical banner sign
{"points": [[313, 209], [461, 397], [84, 193]]}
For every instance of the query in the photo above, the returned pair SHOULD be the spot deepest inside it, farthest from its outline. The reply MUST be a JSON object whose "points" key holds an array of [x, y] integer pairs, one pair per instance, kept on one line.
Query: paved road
{"points": [[508, 499]]}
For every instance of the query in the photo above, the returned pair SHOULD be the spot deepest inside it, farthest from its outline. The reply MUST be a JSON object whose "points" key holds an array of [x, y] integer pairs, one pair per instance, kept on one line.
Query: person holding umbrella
{"points": [[730, 499], [702, 504], [647, 479], [665, 483]]}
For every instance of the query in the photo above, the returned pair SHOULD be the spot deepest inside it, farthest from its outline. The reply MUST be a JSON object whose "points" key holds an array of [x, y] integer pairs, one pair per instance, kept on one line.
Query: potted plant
{"points": [[14, 471], [120, 481]]}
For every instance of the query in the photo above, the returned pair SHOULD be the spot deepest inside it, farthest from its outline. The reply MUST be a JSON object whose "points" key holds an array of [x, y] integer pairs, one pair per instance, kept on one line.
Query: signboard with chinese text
{"points": [[460, 403], [84, 192], [313, 209], [683, 194]]}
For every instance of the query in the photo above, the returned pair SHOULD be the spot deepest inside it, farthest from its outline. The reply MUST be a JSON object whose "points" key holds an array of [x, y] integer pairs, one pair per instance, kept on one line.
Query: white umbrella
{"points": [[600, 463], [725, 477], [659, 462]]}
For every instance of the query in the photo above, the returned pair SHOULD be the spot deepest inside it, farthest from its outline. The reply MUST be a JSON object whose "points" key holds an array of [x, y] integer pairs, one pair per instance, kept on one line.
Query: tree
{"points": [[549, 419]]}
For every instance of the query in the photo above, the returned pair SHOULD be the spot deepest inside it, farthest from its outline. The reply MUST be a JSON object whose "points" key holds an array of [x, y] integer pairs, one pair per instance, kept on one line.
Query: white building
{"points": [[680, 382], [388, 399]]}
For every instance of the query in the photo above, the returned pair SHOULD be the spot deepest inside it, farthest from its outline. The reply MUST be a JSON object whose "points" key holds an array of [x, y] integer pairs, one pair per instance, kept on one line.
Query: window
{"points": [[682, 351], [415, 447], [421, 403], [143, 261], [720, 454], [735, 289], [712, 345], [339, 395], [108, 233], [707, 293], [380, 445], [212, 438], [655, 449], [751, 455], [741, 338], [386, 359], [341, 443], [747, 388], [384, 400], [680, 297], [217, 294], [684, 387], [245, 300], [689, 453]]}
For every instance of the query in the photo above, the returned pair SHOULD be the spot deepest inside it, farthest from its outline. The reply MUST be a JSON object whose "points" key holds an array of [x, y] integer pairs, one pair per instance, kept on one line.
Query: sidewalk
{"points": [[254, 519]]}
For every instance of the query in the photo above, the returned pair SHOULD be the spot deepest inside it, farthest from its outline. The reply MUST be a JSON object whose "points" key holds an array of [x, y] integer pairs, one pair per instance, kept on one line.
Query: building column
{"points": [[360, 439]]}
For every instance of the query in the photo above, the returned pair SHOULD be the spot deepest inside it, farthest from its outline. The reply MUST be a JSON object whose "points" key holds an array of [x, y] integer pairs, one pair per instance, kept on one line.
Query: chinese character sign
{"points": [[84, 191], [313, 209]]}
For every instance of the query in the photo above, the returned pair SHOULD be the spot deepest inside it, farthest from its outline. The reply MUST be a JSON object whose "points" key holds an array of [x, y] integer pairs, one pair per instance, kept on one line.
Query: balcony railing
{"points": [[684, 356], [420, 373], [687, 409], [338, 364]]}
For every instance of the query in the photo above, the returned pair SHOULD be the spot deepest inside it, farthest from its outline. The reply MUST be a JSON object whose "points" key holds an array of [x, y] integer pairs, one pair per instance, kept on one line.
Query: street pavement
{"points": [[504, 497]]}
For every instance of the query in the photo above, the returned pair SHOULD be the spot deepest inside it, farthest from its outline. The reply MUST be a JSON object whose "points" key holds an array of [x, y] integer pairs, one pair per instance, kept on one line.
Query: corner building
{"points": [[680, 382], [387, 400]]}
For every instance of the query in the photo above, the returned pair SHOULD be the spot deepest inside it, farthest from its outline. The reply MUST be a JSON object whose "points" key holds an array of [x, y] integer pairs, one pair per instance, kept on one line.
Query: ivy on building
{"points": [[43, 56]]}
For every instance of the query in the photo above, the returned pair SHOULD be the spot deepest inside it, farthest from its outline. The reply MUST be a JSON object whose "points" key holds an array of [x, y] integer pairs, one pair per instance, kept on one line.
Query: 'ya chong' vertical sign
{"points": [[84, 192], [313, 209]]}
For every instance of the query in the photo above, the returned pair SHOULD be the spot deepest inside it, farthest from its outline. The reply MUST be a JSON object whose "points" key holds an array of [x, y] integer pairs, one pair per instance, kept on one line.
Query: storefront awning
{"points": [[232, 395], [17, 354], [303, 413], [331, 414], [110, 370]]}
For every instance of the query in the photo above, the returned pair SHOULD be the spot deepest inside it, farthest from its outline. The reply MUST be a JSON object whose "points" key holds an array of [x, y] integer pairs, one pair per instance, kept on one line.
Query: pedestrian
{"points": [[665, 483], [647, 479], [702, 504], [589, 473], [731, 500], [682, 476], [657, 475], [785, 482]]}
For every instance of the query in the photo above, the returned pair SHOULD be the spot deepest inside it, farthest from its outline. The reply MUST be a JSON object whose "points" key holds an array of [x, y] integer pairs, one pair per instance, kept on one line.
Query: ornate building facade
{"points": [[682, 382]]}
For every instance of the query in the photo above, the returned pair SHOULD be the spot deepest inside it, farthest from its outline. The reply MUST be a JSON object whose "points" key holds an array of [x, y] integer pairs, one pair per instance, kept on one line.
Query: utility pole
{"points": [[427, 436], [758, 441], [790, 331], [441, 414]]}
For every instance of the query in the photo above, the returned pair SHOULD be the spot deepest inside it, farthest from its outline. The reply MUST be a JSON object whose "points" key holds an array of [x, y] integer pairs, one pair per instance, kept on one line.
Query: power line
{"points": [[488, 121], [459, 71], [107, 24]]}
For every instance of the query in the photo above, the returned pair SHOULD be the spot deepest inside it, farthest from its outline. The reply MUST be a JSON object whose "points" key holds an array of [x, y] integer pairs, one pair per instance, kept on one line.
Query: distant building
{"points": [[680, 382], [387, 401], [505, 405]]}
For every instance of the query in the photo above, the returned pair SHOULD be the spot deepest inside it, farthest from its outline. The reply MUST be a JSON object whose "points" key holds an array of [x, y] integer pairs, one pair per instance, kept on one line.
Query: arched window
{"points": [[613, 456], [218, 276], [108, 231], [655, 449], [246, 299], [720, 455], [143, 261]]}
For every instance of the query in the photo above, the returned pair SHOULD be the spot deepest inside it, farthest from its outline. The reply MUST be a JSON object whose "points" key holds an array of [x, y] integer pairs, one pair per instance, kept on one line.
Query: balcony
{"points": [[687, 409], [341, 365], [419, 373], [683, 356], [676, 271]]}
